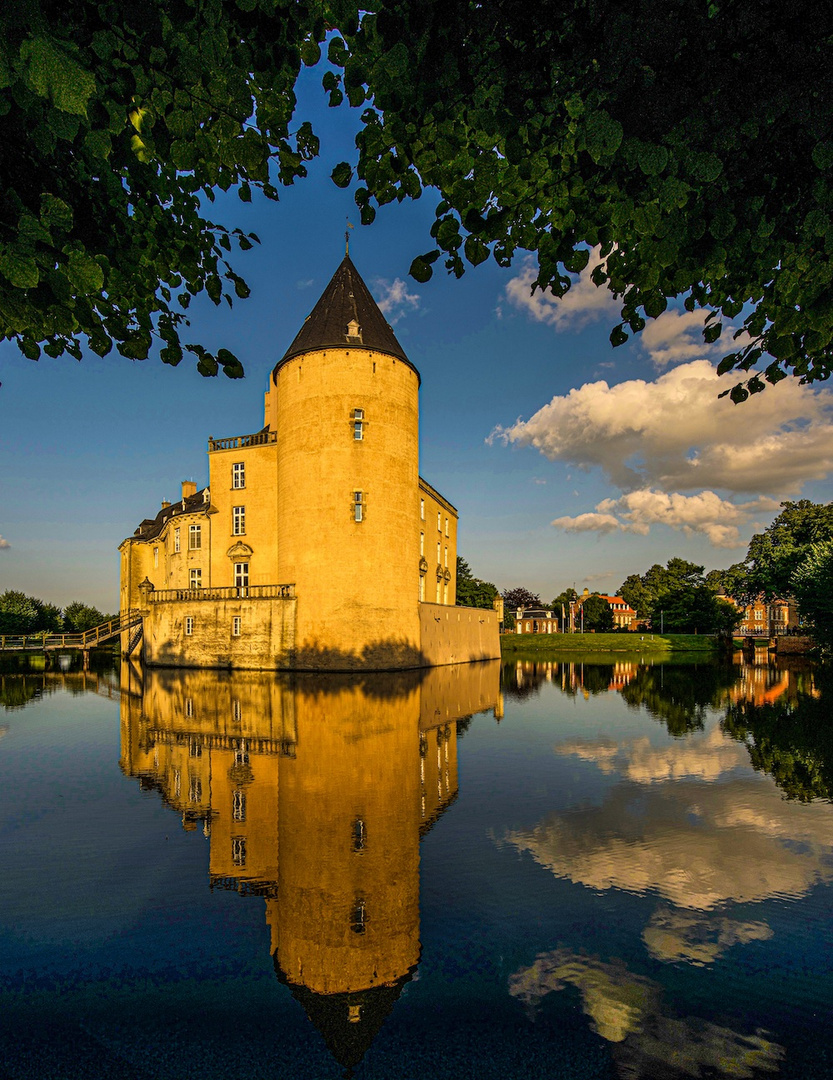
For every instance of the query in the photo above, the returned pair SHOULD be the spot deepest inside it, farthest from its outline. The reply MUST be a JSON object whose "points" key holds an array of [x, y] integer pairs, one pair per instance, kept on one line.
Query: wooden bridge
{"points": [[85, 641]]}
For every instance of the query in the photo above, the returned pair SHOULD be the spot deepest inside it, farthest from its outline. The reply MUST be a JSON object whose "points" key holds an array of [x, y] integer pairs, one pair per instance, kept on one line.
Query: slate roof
{"points": [[346, 299], [150, 528]]}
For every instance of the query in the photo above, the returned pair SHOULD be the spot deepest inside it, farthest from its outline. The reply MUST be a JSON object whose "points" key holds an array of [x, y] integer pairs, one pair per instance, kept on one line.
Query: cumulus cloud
{"points": [[719, 520], [681, 842], [393, 299], [627, 1011], [4, 544], [696, 939], [675, 434], [583, 304]]}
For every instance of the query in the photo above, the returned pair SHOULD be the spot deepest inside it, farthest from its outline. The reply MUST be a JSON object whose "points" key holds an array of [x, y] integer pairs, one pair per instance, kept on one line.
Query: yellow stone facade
{"points": [[315, 544], [314, 792]]}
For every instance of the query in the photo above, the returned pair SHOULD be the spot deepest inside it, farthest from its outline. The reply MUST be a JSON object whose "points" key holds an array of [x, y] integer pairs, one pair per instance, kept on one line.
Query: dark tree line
{"points": [[22, 614]]}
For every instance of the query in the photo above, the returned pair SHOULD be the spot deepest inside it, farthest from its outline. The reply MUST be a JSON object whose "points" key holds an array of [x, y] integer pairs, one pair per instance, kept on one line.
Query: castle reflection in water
{"points": [[315, 792]]}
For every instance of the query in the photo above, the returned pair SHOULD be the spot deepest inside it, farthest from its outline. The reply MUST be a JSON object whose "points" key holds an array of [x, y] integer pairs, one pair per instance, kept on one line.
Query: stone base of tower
{"points": [[260, 635]]}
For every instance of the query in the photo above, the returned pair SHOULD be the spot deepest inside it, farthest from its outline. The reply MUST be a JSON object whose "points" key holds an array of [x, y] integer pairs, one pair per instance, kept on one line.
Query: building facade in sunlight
{"points": [[316, 544]]}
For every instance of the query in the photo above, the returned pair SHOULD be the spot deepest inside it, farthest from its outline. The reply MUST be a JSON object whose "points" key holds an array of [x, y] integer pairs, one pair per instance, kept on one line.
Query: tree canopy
{"points": [[690, 142], [520, 597], [774, 554], [22, 614], [678, 597], [597, 614], [471, 591]]}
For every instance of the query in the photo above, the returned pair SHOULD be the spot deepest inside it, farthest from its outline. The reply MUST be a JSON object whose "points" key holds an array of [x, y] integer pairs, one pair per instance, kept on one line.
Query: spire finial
{"points": [[347, 237]]}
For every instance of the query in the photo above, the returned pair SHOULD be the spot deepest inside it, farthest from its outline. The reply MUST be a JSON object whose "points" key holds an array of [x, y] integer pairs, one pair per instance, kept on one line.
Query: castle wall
{"points": [[265, 642], [458, 635], [258, 498]]}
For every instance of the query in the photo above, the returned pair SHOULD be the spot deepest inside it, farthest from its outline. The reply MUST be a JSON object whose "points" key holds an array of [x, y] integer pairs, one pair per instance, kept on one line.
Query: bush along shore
{"points": [[607, 643]]}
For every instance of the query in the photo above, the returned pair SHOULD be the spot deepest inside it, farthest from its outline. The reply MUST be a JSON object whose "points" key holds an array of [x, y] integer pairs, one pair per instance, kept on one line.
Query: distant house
{"points": [[763, 617], [535, 621], [624, 616]]}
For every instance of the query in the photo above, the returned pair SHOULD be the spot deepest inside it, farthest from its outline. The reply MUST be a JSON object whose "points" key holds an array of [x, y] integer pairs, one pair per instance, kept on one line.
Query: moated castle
{"points": [[316, 544]]}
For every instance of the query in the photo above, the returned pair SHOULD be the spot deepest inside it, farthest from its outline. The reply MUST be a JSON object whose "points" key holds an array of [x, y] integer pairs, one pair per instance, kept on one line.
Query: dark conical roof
{"points": [[348, 1040], [346, 300]]}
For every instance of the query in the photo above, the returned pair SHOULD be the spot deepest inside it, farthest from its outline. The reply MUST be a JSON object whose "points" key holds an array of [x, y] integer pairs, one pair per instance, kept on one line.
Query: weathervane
{"points": [[347, 237]]}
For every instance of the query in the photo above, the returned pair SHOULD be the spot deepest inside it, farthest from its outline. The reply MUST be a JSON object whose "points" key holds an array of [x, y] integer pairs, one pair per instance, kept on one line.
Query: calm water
{"points": [[546, 870]]}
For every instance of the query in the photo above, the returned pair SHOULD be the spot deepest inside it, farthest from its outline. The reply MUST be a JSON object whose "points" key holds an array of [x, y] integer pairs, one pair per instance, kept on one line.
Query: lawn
{"points": [[584, 643]]}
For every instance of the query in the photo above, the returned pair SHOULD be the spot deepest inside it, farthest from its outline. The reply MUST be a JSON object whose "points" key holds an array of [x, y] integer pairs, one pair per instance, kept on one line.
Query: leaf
{"points": [[421, 270], [712, 333], [20, 270], [603, 135], [244, 193], [214, 288], [310, 52], [55, 212], [823, 154], [618, 336], [652, 159], [706, 167], [342, 174], [232, 367], [241, 288], [53, 74], [476, 251], [84, 273], [29, 348]]}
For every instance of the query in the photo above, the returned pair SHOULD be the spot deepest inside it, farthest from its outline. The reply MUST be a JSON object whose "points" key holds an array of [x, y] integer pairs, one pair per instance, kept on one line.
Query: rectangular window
{"points": [[438, 592], [194, 537], [176, 539], [235, 626], [189, 624], [422, 509], [238, 850], [422, 586], [189, 707], [358, 506], [195, 578], [439, 553], [238, 520], [195, 789], [236, 711], [439, 522], [241, 578], [422, 543], [241, 754], [238, 475], [445, 594], [446, 558], [446, 526], [238, 805], [358, 424], [155, 557]]}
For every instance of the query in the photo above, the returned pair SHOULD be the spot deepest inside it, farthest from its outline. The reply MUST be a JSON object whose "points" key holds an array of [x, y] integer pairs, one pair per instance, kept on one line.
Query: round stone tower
{"points": [[345, 407]]}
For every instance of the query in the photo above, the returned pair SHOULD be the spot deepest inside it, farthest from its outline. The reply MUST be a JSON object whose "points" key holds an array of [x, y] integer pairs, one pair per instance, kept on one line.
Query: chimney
{"points": [[165, 504], [189, 487]]}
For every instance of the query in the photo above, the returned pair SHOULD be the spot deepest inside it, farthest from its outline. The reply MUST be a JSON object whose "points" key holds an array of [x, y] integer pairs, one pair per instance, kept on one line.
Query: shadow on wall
{"points": [[386, 655], [381, 685]]}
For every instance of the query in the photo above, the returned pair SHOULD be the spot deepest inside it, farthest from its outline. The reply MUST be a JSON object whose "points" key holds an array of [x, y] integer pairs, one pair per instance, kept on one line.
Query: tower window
{"points": [[422, 543], [176, 539], [439, 522], [195, 578], [194, 537], [422, 509], [358, 506], [238, 520], [358, 424], [189, 625], [238, 474], [235, 626], [446, 526], [155, 557]]}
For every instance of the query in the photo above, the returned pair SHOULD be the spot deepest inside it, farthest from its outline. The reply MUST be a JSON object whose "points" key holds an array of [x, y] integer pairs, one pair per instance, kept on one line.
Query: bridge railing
{"points": [[96, 635], [231, 592]]}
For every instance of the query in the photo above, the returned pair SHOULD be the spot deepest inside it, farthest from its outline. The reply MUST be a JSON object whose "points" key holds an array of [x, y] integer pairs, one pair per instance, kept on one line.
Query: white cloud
{"points": [[4, 544], [678, 335], [393, 298], [719, 520], [674, 433], [306, 284], [582, 304]]}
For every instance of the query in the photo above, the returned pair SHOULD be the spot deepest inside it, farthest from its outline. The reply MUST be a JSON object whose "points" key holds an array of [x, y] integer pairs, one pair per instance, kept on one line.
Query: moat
{"points": [[616, 868]]}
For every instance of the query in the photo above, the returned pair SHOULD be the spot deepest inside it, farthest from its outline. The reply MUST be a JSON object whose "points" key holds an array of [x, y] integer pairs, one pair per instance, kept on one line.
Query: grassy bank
{"points": [[510, 644]]}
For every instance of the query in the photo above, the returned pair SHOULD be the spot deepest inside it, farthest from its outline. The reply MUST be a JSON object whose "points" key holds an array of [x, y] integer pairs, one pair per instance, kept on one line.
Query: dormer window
{"points": [[358, 424], [354, 331]]}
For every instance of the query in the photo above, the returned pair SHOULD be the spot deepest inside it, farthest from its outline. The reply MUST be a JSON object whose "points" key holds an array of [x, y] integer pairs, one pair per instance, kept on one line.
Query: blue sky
{"points": [[528, 416]]}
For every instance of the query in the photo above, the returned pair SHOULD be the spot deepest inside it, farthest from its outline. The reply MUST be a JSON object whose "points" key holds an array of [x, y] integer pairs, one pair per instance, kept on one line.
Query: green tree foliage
{"points": [[22, 614], [677, 597], [598, 615], [520, 598], [812, 585], [118, 123], [567, 597], [679, 695], [774, 554], [79, 617], [690, 141], [471, 591], [646, 594]]}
